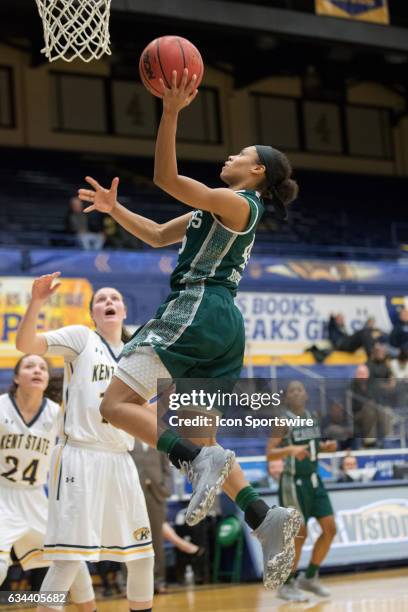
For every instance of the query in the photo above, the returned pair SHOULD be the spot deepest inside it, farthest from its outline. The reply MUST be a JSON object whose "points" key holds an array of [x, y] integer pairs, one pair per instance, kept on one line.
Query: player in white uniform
{"points": [[97, 507], [29, 425]]}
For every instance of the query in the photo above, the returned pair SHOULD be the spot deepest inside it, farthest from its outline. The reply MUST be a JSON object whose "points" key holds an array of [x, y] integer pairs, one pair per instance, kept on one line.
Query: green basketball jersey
{"points": [[309, 436], [212, 253]]}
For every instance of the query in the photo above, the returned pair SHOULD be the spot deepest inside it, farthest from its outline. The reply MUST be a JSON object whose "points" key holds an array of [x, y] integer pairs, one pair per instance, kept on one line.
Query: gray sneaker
{"points": [[207, 473], [313, 585], [277, 537], [290, 592]]}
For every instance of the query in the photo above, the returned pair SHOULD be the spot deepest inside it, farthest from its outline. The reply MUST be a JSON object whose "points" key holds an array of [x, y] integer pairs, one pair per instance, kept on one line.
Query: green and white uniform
{"points": [[300, 485], [198, 332]]}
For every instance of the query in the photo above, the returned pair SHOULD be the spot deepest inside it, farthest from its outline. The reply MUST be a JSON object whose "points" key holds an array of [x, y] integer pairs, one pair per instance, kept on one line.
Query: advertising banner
{"points": [[68, 306], [375, 11], [372, 525], [287, 323]]}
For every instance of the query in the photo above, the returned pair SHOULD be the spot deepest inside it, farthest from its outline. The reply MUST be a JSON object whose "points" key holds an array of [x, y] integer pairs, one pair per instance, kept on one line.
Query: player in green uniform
{"points": [[198, 332], [301, 487]]}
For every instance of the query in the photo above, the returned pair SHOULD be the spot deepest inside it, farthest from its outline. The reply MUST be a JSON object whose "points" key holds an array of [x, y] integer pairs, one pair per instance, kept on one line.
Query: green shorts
{"points": [[197, 333], [307, 494]]}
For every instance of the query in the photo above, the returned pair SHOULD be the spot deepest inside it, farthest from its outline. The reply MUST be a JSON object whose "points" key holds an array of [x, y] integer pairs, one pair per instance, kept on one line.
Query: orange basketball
{"points": [[165, 54]]}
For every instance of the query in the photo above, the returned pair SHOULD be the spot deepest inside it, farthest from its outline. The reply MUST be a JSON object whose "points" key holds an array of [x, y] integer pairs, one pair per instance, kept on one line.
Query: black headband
{"points": [[270, 158]]}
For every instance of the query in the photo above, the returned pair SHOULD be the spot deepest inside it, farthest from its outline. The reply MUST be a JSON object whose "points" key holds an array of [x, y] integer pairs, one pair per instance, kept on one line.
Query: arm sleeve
{"points": [[68, 341]]}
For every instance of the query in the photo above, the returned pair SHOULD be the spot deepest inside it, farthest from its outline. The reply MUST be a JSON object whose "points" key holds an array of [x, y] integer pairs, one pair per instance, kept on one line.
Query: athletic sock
{"points": [[178, 449], [312, 570], [254, 508]]}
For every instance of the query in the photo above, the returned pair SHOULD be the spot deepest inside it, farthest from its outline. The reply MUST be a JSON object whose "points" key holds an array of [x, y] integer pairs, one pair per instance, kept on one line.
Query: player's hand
{"points": [[177, 97], [100, 198], [44, 287], [299, 451], [329, 446]]}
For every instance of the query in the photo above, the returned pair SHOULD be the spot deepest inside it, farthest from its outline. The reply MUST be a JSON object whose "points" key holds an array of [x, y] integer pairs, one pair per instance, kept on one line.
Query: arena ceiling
{"points": [[245, 39]]}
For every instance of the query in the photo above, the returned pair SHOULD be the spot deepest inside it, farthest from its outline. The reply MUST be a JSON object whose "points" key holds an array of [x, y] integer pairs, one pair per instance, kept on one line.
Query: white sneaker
{"points": [[313, 585], [207, 473], [290, 592], [277, 534]]}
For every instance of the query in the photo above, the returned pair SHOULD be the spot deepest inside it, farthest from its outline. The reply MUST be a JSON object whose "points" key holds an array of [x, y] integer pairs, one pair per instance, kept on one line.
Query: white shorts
{"points": [[97, 510], [140, 371], [23, 522]]}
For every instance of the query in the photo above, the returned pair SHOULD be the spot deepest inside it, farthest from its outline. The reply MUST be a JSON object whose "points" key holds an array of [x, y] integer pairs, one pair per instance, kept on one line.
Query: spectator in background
{"points": [[363, 338], [116, 237], [348, 464], [399, 369], [88, 231], [271, 480], [399, 333], [336, 425], [155, 478], [381, 379], [371, 420]]}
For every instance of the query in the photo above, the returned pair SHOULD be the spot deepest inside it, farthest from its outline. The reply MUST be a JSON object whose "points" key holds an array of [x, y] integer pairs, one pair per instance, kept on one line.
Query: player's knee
{"points": [[81, 589], [331, 530], [3, 570]]}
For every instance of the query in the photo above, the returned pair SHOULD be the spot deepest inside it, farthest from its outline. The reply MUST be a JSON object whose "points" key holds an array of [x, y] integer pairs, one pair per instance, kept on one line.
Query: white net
{"points": [[75, 28]]}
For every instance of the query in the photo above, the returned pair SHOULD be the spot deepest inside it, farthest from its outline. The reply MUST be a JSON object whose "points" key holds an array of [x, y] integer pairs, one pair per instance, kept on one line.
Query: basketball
{"points": [[165, 54]]}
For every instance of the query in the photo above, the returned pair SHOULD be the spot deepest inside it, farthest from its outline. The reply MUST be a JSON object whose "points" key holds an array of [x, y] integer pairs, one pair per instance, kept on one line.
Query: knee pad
{"points": [[140, 579], [81, 589], [3, 570]]}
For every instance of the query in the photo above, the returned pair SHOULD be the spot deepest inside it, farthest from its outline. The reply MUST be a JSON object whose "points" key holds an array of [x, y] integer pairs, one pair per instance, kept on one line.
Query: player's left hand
{"points": [[99, 198], [330, 446], [179, 96]]}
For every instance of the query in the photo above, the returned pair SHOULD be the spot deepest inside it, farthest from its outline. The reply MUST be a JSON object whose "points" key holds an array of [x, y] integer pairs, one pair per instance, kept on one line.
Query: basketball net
{"points": [[75, 28]]}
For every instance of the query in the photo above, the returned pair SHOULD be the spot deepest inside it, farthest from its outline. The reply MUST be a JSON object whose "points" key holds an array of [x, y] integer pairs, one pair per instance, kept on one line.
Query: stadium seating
{"points": [[335, 215]]}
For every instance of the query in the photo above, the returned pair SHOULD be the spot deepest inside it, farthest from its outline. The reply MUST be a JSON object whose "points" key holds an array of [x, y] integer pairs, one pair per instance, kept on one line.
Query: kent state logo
{"points": [[357, 7], [143, 533]]}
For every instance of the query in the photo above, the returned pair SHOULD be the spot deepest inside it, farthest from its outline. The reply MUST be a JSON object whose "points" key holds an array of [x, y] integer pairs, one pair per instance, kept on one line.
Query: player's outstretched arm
{"points": [[27, 340], [231, 208], [147, 230]]}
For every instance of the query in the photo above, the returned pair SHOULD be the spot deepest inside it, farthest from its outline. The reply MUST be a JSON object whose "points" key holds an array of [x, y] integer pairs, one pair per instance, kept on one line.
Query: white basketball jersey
{"points": [[25, 448], [89, 366]]}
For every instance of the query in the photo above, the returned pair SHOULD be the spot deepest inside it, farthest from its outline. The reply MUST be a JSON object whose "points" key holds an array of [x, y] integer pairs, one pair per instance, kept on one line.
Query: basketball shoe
{"points": [[313, 585], [207, 473], [290, 592], [277, 534]]}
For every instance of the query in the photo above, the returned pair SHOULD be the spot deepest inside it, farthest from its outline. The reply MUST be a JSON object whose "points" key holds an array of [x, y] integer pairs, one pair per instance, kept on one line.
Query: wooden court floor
{"points": [[382, 591]]}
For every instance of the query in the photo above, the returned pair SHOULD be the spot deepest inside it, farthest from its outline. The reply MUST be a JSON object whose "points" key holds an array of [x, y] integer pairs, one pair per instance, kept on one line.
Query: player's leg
{"points": [[140, 584], [323, 542], [206, 467], [323, 511], [309, 581], [81, 591], [14, 526], [62, 576], [3, 569], [275, 527], [7, 539], [124, 533]]}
